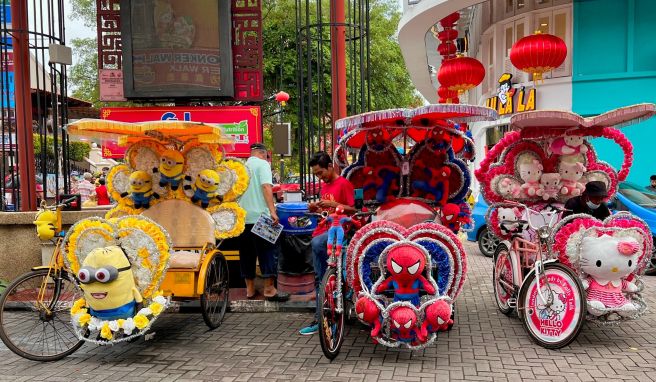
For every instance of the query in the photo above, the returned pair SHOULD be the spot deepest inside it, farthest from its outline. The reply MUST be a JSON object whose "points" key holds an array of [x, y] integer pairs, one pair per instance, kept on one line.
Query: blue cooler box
{"points": [[293, 219]]}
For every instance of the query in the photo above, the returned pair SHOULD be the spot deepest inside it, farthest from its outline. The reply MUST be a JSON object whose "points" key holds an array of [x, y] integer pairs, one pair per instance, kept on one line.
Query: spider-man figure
{"points": [[436, 185], [438, 318], [368, 311], [406, 264], [404, 326], [336, 233], [452, 217], [382, 179]]}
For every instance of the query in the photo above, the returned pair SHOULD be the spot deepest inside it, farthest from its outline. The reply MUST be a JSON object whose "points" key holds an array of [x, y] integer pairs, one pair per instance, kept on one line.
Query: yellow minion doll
{"points": [[205, 187], [47, 225], [141, 189], [170, 169], [108, 284]]}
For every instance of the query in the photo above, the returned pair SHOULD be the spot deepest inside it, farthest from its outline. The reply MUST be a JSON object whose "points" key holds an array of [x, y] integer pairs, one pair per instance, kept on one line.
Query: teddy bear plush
{"points": [[550, 182], [570, 174], [608, 261], [568, 145], [530, 173]]}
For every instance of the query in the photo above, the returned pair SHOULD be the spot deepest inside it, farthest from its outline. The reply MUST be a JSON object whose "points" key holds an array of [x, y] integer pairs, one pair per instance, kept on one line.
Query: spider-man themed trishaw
{"points": [[404, 266], [558, 272]]}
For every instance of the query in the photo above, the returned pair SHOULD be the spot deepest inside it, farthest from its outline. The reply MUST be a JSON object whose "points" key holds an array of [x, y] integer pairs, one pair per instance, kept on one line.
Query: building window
{"points": [[510, 6]]}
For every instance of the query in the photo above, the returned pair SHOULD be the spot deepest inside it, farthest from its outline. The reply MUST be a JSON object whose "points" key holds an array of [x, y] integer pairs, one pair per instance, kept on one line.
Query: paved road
{"points": [[484, 345]]}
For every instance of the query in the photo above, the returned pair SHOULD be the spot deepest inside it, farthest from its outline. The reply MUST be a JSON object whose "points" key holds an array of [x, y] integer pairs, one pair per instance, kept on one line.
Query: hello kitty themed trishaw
{"points": [[558, 272], [402, 271], [176, 199]]}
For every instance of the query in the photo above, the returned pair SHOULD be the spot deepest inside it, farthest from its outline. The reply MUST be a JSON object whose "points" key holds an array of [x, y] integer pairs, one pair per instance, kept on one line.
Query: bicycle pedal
{"points": [[512, 302]]}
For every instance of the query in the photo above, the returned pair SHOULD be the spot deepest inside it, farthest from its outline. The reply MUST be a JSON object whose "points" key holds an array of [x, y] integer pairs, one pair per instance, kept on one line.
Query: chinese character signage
{"points": [[511, 100], [242, 122], [111, 150]]}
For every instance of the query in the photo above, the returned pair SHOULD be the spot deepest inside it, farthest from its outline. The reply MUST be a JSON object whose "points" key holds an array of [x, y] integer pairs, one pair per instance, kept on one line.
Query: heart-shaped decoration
{"points": [[369, 247]]}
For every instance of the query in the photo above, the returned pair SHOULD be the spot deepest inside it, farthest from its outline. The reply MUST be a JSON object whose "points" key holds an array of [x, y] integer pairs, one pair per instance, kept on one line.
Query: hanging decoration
{"points": [[538, 53], [447, 49], [447, 96], [461, 74]]}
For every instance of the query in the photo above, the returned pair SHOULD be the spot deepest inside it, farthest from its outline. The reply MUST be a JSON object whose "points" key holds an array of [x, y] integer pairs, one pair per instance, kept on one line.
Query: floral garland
{"points": [[74, 234], [133, 154], [116, 330], [112, 182], [229, 220], [240, 186]]}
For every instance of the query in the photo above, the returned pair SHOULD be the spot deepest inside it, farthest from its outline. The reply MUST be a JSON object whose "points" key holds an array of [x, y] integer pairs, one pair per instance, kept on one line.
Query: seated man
{"points": [[590, 202], [336, 191]]}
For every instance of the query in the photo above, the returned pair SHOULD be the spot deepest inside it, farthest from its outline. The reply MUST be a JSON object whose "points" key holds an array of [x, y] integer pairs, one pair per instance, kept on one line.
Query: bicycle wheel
{"points": [[557, 323], [40, 332], [502, 279], [331, 323], [216, 292]]}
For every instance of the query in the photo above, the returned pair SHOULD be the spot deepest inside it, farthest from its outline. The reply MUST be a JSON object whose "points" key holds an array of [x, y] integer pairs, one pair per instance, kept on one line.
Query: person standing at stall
{"points": [[336, 191], [257, 201]]}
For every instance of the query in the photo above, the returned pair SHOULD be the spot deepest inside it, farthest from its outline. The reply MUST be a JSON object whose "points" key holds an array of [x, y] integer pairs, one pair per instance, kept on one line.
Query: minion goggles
{"points": [[87, 275]]}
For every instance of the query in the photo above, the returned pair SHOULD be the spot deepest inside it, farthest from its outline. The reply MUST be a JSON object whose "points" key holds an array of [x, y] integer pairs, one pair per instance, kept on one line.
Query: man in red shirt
{"points": [[336, 191]]}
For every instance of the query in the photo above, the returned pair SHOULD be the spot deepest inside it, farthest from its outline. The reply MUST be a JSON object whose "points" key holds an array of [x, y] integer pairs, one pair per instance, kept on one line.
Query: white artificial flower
{"points": [[95, 323], [76, 319], [128, 326], [113, 325], [146, 312], [160, 300]]}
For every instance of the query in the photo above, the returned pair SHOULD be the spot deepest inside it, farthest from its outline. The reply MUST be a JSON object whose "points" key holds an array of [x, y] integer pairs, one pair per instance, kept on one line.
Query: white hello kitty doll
{"points": [[607, 261]]}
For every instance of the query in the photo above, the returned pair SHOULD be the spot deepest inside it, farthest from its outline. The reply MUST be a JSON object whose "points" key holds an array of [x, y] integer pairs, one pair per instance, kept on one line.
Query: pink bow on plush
{"points": [[627, 248]]}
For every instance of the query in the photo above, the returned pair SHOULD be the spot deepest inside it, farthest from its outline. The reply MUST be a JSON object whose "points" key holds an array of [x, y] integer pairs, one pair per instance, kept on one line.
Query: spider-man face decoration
{"points": [[439, 139], [403, 319], [405, 263], [377, 139]]}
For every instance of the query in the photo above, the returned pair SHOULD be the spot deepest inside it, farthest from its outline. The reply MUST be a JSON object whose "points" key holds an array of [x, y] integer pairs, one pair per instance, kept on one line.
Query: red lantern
{"points": [[461, 74], [447, 35], [450, 20], [282, 98], [538, 53], [449, 100], [446, 49], [447, 96]]}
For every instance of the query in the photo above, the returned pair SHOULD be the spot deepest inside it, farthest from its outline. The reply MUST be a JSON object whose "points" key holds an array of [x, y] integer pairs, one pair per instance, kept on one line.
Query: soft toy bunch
{"points": [[422, 270]]}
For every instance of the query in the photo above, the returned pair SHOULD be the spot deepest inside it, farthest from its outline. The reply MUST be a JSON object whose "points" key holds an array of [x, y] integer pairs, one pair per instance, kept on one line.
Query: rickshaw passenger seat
{"points": [[189, 226]]}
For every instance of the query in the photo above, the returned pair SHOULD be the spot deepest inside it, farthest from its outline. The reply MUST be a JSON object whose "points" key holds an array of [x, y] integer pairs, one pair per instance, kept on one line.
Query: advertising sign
{"points": [[511, 100], [242, 122], [111, 150], [111, 85]]}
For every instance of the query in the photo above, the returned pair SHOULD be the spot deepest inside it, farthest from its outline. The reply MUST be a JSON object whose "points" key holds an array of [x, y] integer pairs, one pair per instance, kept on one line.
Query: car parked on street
{"points": [[642, 203], [292, 183], [487, 241]]}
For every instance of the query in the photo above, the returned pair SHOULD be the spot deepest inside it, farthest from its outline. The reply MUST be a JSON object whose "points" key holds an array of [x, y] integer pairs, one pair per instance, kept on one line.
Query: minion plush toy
{"points": [[205, 187], [108, 284], [141, 189], [47, 225], [170, 169]]}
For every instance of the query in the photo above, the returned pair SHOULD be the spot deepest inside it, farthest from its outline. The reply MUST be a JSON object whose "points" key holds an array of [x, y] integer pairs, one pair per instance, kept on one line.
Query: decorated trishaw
{"points": [[558, 272], [404, 267], [110, 278]]}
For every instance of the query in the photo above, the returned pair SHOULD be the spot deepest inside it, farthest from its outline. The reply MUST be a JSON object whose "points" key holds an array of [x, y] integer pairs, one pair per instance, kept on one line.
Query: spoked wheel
{"points": [[487, 242], [502, 278], [556, 322], [36, 328], [331, 323], [216, 292]]}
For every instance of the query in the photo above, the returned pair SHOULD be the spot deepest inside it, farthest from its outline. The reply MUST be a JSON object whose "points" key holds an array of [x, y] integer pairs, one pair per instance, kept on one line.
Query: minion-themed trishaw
{"points": [[110, 278], [402, 271], [556, 273]]}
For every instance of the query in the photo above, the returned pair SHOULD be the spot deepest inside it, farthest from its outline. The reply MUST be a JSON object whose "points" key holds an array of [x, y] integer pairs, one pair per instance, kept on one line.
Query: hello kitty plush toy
{"points": [[551, 183], [568, 145], [530, 173], [508, 220], [570, 174], [608, 261]]}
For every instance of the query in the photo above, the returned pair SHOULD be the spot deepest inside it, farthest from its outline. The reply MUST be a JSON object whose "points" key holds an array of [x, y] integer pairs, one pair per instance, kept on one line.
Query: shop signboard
{"points": [[111, 85], [243, 123], [510, 100], [111, 150]]}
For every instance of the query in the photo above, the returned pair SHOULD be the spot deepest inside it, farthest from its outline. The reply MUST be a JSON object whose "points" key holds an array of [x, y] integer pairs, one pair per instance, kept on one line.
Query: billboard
{"points": [[176, 48], [244, 123]]}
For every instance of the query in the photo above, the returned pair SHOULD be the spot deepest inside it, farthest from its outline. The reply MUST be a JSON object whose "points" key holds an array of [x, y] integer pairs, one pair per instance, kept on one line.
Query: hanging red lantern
{"points": [[282, 98], [461, 74], [447, 49], [449, 100], [447, 35], [450, 20], [538, 53], [446, 95]]}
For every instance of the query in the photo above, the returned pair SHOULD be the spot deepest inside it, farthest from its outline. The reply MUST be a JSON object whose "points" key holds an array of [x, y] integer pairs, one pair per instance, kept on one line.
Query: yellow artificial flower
{"points": [[120, 322], [140, 321], [158, 293], [84, 319], [106, 332], [156, 308], [78, 306]]}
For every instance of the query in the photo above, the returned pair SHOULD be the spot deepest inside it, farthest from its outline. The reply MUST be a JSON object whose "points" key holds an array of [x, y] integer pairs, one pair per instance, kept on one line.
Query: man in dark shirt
{"points": [[652, 183], [590, 202]]}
